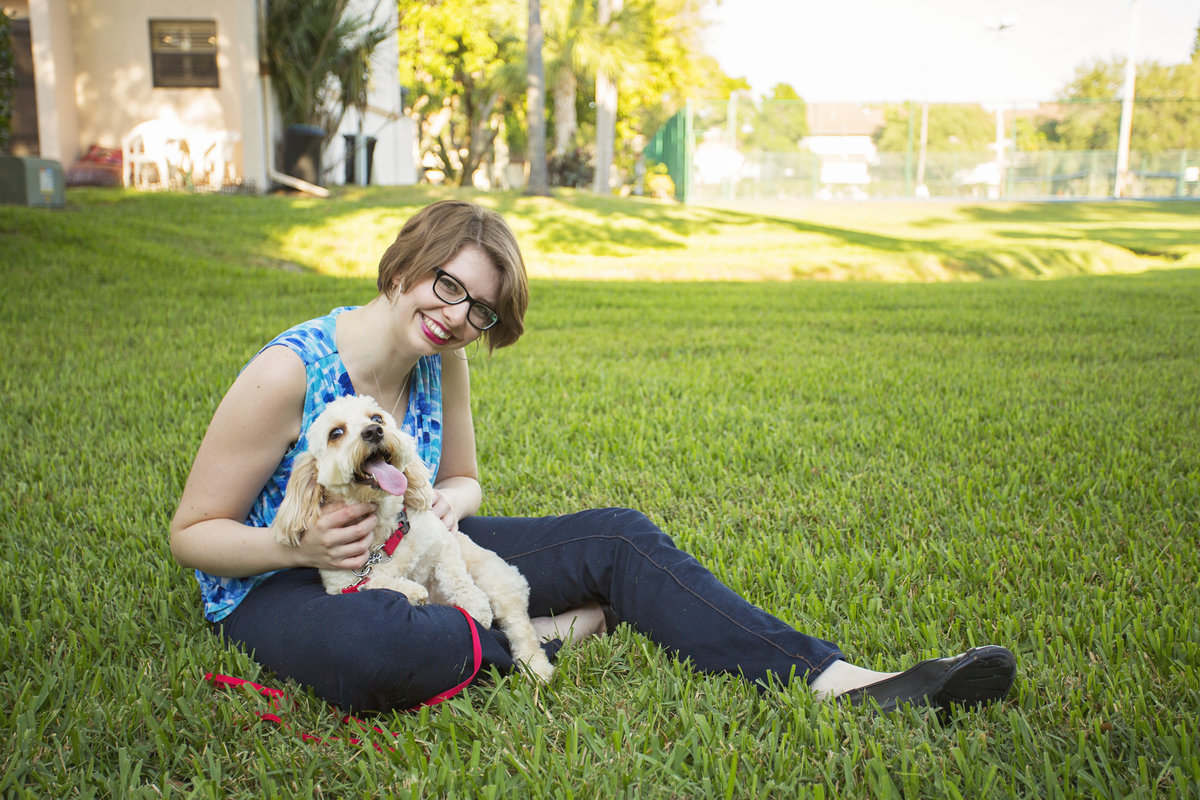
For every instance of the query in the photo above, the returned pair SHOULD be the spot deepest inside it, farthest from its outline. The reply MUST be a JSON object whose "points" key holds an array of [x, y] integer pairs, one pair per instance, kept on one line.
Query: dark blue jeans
{"points": [[373, 651]]}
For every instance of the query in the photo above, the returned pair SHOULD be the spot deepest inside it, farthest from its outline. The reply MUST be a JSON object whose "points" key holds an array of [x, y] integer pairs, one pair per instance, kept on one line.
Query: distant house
{"points": [[98, 68], [841, 135]]}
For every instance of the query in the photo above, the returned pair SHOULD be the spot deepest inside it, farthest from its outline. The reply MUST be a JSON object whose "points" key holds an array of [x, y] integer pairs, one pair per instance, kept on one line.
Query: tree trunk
{"points": [[564, 112], [606, 108], [536, 81], [479, 140]]}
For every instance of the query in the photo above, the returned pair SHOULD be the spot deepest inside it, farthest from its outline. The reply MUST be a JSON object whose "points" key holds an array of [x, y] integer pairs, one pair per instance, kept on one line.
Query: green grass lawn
{"points": [[908, 468]]}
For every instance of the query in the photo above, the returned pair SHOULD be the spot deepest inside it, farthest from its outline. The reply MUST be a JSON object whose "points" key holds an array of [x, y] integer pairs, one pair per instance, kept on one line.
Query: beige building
{"points": [[99, 68]]}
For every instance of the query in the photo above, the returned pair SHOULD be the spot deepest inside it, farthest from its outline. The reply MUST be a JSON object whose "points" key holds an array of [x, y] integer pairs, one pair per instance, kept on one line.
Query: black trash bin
{"points": [[351, 141], [302, 152]]}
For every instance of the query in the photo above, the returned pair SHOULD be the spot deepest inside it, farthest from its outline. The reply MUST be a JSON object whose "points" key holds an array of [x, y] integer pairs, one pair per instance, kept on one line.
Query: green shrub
{"points": [[573, 169]]}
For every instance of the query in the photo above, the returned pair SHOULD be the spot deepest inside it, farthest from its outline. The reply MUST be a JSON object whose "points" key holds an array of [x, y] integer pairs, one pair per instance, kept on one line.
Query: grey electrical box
{"points": [[32, 182]]}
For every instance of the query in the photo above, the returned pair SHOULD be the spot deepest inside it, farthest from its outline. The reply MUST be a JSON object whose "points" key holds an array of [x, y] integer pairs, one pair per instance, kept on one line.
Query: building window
{"points": [[183, 53]]}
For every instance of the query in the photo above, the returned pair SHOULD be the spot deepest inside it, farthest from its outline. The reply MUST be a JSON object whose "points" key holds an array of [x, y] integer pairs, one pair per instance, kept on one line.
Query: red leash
{"points": [[380, 555], [274, 696]]}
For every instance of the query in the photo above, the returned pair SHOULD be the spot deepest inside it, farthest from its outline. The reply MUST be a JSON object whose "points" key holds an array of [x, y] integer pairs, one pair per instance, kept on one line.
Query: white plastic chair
{"points": [[213, 158], [152, 148]]}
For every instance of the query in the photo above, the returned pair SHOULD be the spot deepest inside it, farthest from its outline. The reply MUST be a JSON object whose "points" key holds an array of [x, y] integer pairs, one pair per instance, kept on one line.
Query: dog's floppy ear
{"points": [[419, 494], [301, 506]]}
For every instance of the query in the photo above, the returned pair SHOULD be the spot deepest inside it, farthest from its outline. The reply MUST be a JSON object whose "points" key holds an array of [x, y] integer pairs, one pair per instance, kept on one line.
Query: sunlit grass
{"points": [[578, 236], [906, 469]]}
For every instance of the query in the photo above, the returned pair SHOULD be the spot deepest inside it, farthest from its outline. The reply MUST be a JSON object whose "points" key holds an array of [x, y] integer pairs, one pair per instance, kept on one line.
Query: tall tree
{"points": [[1169, 100], [674, 68], [536, 82], [463, 61], [1092, 110], [779, 122], [569, 36], [578, 46], [1163, 117], [318, 55], [952, 128], [461, 58], [606, 104]]}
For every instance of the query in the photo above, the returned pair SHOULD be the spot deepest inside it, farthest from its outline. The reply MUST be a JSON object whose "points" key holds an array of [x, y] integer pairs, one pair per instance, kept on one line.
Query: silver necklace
{"points": [[403, 388]]}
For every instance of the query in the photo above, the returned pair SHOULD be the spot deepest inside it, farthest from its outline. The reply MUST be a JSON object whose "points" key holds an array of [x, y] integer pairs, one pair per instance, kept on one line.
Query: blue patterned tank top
{"points": [[315, 342]]}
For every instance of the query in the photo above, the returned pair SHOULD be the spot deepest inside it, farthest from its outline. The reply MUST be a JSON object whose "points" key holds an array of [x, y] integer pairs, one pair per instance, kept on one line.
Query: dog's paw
{"points": [[539, 666], [417, 594], [481, 613]]}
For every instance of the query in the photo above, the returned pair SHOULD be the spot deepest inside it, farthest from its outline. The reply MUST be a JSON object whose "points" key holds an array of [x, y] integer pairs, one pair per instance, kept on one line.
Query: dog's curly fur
{"points": [[431, 563]]}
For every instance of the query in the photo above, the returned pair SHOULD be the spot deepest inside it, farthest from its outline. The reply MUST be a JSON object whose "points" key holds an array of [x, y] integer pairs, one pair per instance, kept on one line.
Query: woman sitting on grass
{"points": [[453, 275]]}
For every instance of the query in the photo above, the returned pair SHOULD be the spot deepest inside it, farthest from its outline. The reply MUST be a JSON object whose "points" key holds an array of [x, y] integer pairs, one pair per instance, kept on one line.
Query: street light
{"points": [[1000, 26]]}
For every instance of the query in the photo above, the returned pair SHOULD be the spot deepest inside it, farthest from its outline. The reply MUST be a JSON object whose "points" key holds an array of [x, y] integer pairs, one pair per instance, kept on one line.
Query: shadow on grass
{"points": [[578, 222], [1156, 243], [1082, 211], [1148, 228], [1170, 243], [569, 221], [249, 230]]}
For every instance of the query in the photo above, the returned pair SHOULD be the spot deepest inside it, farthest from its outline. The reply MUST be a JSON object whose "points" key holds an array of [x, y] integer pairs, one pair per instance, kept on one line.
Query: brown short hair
{"points": [[436, 234]]}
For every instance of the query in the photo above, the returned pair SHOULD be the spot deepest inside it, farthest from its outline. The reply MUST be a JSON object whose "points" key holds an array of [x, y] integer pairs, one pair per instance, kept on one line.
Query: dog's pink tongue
{"points": [[390, 479]]}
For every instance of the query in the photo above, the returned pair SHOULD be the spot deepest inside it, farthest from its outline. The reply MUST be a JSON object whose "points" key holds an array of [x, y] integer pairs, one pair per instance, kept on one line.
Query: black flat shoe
{"points": [[980, 675]]}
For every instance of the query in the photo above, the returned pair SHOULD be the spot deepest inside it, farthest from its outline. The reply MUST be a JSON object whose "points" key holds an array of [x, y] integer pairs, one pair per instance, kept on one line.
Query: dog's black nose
{"points": [[373, 434]]}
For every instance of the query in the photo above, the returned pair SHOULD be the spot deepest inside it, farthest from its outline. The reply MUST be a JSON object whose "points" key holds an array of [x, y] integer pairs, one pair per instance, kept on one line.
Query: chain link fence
{"points": [[718, 151]]}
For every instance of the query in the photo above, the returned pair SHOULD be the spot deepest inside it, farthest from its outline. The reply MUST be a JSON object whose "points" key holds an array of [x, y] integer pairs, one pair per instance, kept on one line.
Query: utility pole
{"points": [[922, 189], [1000, 26], [1121, 181]]}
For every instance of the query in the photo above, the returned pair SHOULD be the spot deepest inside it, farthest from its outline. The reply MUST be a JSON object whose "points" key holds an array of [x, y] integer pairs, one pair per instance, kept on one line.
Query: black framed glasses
{"points": [[449, 290]]}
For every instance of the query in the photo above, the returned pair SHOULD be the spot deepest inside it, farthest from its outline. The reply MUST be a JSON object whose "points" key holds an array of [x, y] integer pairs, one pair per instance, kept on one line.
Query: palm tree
{"points": [[606, 104], [580, 46], [572, 40], [536, 80], [318, 58], [464, 61]]}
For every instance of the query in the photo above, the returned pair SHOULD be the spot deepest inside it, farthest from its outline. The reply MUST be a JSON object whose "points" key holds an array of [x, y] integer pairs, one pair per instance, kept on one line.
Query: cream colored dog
{"points": [[357, 453]]}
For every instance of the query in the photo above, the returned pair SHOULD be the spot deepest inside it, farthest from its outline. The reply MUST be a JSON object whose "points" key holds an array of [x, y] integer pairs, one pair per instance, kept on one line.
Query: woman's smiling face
{"points": [[441, 325]]}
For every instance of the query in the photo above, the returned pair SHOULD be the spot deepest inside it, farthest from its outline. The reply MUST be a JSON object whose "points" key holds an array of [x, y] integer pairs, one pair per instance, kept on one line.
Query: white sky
{"points": [[937, 50]]}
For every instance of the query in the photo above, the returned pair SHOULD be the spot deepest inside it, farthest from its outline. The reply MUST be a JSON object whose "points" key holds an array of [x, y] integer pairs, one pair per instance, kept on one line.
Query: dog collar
{"points": [[380, 555], [393, 541]]}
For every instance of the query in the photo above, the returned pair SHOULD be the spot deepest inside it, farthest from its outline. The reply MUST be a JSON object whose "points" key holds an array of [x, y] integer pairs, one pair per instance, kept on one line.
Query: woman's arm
{"points": [[459, 493], [256, 423]]}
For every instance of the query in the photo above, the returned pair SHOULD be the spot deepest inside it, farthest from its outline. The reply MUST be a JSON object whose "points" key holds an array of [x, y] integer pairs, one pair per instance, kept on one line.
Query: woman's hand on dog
{"points": [[341, 539], [445, 510], [454, 498]]}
